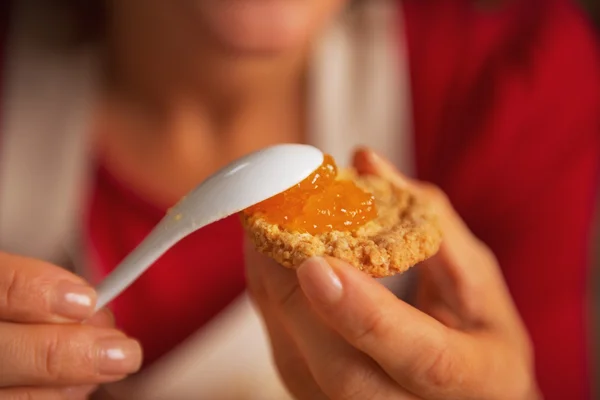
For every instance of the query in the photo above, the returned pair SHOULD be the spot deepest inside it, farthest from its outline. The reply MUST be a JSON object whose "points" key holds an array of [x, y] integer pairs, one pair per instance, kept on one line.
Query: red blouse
{"points": [[507, 114], [507, 121]]}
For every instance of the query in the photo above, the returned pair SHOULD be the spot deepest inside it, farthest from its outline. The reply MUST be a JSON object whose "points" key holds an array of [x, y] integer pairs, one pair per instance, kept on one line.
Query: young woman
{"points": [[494, 102]]}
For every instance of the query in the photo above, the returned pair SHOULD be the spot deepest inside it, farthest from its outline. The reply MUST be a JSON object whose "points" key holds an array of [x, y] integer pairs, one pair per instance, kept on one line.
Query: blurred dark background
{"points": [[593, 7]]}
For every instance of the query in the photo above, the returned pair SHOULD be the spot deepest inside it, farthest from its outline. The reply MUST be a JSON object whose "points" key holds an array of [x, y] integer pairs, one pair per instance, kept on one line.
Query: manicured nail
{"points": [[73, 301], [119, 356], [319, 282]]}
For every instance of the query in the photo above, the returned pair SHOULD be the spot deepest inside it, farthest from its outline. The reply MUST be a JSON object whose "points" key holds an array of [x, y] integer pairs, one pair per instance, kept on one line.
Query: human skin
{"points": [[339, 334], [190, 86]]}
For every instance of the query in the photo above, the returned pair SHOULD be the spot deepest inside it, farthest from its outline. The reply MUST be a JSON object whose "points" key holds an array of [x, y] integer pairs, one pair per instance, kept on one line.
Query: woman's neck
{"points": [[170, 119]]}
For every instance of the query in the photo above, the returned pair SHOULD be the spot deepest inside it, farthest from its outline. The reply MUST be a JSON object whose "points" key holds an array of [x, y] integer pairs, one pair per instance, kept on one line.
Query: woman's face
{"points": [[241, 26]]}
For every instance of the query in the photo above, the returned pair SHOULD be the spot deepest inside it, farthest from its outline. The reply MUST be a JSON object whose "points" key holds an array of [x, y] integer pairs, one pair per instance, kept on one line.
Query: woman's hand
{"points": [[46, 352], [339, 334]]}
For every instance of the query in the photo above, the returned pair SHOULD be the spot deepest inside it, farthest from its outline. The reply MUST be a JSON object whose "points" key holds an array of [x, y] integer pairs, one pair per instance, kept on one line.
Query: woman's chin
{"points": [[258, 26], [262, 44]]}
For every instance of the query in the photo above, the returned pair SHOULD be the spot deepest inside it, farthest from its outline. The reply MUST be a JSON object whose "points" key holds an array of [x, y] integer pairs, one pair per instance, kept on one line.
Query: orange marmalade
{"points": [[319, 204]]}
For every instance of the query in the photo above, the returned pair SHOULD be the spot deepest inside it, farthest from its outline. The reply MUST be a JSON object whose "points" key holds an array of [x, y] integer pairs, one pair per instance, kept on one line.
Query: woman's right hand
{"points": [[51, 344]]}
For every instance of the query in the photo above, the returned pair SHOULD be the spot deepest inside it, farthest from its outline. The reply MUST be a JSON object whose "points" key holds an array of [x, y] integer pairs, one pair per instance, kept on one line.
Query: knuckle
{"points": [[289, 297], [51, 359], [435, 193], [10, 290], [352, 381], [22, 295], [373, 327], [16, 293], [437, 367], [65, 354]]}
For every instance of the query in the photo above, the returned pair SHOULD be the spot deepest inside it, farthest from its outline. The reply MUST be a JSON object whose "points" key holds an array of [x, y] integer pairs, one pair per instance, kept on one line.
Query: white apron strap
{"points": [[361, 87], [362, 93], [43, 154]]}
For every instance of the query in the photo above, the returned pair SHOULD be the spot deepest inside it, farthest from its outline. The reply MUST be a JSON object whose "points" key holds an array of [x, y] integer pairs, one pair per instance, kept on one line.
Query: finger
{"points": [[288, 359], [102, 319], [465, 271], [369, 162], [75, 393], [34, 291], [340, 370], [429, 300], [64, 355], [457, 235], [417, 351]]}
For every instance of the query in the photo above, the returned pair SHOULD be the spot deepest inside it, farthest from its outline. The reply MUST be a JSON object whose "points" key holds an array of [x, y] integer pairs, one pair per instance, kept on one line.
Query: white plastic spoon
{"points": [[241, 184]]}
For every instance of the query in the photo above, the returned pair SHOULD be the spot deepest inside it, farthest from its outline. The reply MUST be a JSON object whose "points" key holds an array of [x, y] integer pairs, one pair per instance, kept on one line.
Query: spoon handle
{"points": [[161, 239]]}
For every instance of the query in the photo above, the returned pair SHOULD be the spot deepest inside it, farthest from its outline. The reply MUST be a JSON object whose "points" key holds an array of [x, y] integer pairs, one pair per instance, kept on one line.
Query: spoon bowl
{"points": [[241, 184]]}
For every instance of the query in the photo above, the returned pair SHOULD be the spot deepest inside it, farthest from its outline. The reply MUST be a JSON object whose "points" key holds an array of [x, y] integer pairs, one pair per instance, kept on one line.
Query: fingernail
{"points": [[118, 356], [319, 282], [73, 301]]}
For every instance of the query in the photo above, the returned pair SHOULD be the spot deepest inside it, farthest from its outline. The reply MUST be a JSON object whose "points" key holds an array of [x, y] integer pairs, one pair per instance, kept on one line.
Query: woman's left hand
{"points": [[336, 333]]}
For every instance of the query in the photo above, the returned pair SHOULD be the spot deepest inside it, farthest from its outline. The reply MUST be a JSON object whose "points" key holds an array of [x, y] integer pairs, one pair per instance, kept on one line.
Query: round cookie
{"points": [[404, 233]]}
